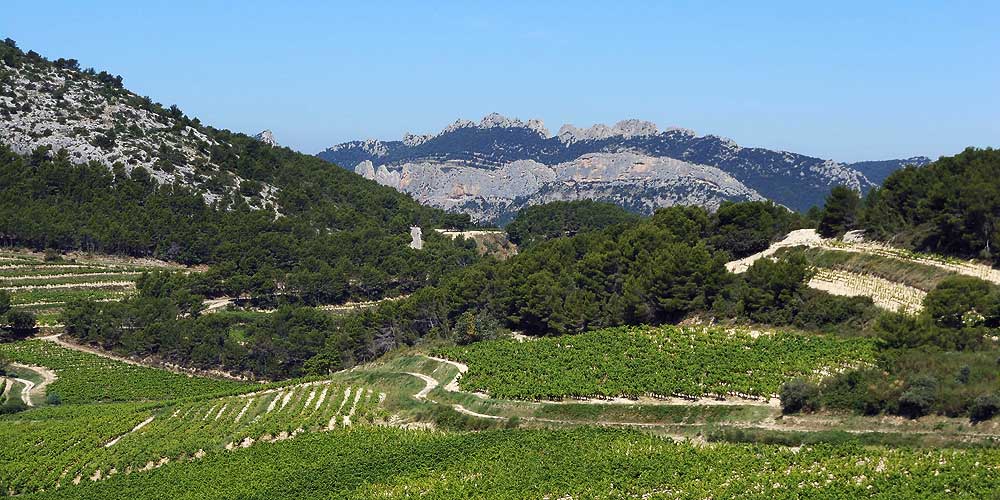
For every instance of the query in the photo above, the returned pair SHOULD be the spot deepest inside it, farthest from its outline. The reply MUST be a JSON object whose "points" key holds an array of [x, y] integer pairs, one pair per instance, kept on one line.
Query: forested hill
{"points": [[951, 206], [87, 164]]}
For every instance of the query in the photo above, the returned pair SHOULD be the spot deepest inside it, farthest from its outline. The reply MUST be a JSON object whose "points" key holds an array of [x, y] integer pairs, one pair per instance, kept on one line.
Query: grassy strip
{"points": [[919, 276]]}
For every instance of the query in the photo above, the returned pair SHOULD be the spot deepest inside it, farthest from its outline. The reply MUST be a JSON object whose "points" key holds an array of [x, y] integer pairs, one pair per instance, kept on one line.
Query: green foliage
{"points": [[18, 324], [918, 399], [746, 228], [799, 395], [41, 199], [916, 382], [950, 206], [664, 361], [985, 407], [538, 223], [840, 213], [578, 463], [4, 302], [963, 301], [88, 378], [959, 314]]}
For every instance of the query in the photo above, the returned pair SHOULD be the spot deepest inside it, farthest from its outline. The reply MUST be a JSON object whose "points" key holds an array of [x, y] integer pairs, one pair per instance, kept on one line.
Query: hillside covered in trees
{"points": [[951, 206], [272, 222]]}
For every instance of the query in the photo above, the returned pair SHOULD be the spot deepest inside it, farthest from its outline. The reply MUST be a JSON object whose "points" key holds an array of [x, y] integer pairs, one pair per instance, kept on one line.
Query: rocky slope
{"points": [[467, 154], [496, 194], [92, 117]]}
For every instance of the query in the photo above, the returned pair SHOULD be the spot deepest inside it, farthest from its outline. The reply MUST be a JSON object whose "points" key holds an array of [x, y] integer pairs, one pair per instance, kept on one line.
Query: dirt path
{"points": [[801, 237], [452, 386], [430, 382], [348, 306], [26, 391], [32, 390], [216, 305]]}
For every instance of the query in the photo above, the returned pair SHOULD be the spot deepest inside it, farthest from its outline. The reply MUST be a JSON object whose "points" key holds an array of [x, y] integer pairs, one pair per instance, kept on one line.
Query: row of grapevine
{"points": [[580, 463], [663, 361], [59, 447], [43, 287], [884, 293], [88, 378]]}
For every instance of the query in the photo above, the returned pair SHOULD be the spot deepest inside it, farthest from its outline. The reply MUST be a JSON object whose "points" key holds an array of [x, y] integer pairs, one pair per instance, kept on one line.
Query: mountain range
{"points": [[492, 168]]}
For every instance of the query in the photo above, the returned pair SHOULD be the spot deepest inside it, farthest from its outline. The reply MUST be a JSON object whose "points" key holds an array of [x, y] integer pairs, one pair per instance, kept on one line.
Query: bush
{"points": [[52, 255], [20, 324], [12, 407], [919, 398], [53, 399], [799, 395], [984, 408]]}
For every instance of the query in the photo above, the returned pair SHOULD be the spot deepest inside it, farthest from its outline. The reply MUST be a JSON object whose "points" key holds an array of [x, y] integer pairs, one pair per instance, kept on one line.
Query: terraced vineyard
{"points": [[61, 446], [664, 361], [152, 417], [886, 294], [43, 287], [88, 378]]}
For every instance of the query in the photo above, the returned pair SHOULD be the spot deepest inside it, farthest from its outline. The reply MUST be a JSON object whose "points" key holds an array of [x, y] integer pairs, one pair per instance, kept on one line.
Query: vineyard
{"points": [[88, 378], [664, 361], [59, 446], [886, 294], [43, 287], [580, 463]]}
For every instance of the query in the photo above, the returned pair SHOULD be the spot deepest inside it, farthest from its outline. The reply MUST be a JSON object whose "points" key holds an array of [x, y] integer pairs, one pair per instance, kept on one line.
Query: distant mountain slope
{"points": [[795, 180], [877, 171], [637, 182]]}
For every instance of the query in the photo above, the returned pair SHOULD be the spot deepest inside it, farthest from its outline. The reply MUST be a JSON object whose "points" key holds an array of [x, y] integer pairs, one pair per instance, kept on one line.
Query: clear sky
{"points": [[847, 80]]}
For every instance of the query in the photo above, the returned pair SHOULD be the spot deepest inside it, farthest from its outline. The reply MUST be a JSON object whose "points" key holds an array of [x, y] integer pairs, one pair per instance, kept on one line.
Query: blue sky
{"points": [[844, 80]]}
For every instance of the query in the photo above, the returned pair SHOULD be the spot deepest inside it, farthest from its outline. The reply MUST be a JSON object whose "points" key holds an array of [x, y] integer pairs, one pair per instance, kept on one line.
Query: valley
{"points": [[491, 311]]}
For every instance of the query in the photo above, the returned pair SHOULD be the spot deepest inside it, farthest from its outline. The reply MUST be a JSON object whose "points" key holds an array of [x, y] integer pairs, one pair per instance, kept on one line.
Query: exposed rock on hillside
{"points": [[92, 117], [266, 137], [638, 182], [475, 160]]}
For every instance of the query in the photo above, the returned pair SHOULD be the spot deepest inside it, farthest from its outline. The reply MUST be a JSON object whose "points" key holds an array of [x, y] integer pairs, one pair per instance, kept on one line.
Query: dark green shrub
{"points": [[799, 395]]}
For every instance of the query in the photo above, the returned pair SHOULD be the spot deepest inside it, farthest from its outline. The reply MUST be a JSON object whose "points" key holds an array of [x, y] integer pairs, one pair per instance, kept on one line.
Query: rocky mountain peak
{"points": [[625, 129], [416, 140], [496, 120], [266, 137]]}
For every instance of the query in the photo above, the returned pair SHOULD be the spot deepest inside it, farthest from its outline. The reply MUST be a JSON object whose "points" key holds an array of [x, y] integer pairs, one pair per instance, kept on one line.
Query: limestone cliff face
{"points": [[489, 168], [638, 182]]}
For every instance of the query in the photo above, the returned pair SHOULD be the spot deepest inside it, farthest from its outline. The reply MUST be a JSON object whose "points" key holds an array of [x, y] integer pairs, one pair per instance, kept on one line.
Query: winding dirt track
{"points": [[32, 390]]}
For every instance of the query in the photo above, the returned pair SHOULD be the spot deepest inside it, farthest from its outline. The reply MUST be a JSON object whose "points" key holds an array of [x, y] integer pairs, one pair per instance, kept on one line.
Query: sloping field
{"points": [[658, 362], [854, 243], [368, 463], [895, 279], [88, 378], [62, 446]]}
